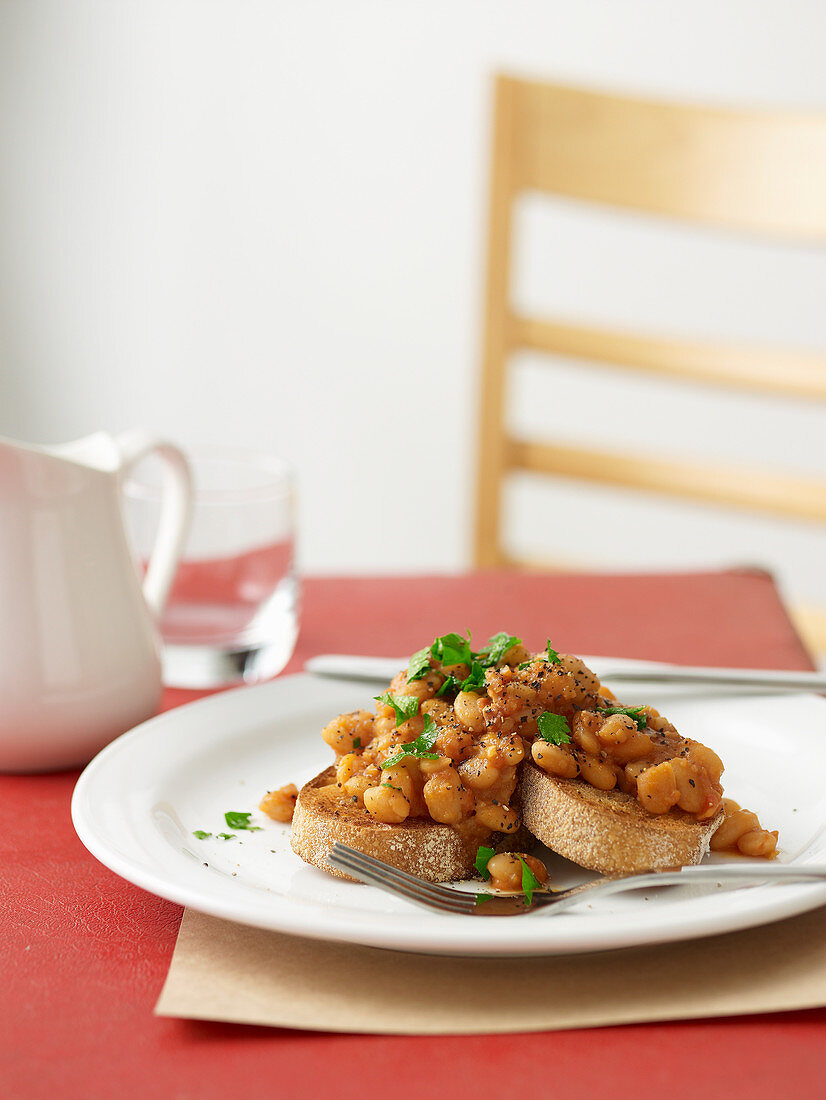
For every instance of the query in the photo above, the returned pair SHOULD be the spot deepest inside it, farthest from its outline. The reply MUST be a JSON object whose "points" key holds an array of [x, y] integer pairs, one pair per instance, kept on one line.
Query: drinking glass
{"points": [[232, 614]]}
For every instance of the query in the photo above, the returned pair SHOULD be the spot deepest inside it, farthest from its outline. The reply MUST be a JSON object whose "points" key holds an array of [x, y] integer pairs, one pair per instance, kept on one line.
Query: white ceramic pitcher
{"points": [[79, 644]]}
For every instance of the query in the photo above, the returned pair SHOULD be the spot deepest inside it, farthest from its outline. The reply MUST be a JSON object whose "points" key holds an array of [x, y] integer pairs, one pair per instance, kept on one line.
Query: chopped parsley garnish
{"points": [[356, 742], [449, 650], [529, 882], [482, 898], [483, 857], [496, 647], [450, 684], [227, 836], [405, 706], [201, 835], [632, 712], [476, 680], [553, 656], [420, 748], [237, 820], [452, 649], [554, 728], [419, 665]]}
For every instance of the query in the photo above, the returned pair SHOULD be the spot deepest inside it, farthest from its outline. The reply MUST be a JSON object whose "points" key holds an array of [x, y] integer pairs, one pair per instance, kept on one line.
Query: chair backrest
{"points": [[755, 172]]}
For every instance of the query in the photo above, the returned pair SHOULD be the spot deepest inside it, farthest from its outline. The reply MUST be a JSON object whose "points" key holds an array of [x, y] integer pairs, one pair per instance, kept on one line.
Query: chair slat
{"points": [[794, 372], [754, 490], [760, 172]]}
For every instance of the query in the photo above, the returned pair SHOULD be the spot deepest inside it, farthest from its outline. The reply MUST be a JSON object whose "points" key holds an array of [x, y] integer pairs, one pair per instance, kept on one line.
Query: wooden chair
{"points": [[758, 173]]}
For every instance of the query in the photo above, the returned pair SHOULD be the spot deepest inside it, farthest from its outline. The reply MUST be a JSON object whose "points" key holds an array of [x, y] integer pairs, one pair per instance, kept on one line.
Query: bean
{"points": [[279, 805], [478, 773], [468, 711], [446, 798], [597, 773], [555, 760], [386, 804], [657, 788], [501, 819]]}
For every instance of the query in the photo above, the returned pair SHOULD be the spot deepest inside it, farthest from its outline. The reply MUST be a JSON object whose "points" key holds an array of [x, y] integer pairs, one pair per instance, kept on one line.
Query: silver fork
{"points": [[374, 872]]}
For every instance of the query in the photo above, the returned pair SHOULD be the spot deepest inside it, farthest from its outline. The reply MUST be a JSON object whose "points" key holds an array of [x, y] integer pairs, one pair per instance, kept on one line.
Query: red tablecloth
{"points": [[84, 954]]}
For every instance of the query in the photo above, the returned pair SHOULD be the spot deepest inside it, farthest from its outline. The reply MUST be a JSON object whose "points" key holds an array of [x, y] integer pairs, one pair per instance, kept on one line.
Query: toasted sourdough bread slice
{"points": [[608, 831], [420, 847]]}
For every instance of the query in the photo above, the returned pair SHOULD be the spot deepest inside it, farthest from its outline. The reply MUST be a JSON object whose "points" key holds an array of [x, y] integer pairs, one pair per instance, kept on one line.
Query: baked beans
{"points": [[742, 832], [505, 870], [453, 755], [279, 804]]}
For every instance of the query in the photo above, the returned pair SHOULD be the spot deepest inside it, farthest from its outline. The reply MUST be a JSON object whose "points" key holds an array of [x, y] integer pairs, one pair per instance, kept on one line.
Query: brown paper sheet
{"points": [[225, 971]]}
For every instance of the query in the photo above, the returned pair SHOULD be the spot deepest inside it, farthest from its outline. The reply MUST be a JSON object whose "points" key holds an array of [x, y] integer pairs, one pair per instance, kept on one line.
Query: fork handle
{"points": [[812, 872]]}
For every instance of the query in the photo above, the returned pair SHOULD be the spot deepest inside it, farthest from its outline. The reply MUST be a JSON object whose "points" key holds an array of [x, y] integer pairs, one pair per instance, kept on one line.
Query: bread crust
{"points": [[421, 847], [608, 831], [604, 831]]}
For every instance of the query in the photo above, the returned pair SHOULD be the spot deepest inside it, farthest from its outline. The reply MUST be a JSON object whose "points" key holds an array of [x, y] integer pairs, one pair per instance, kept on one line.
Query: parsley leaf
{"points": [[405, 706], [553, 656], [483, 856], [482, 898], [419, 748], [419, 665], [450, 684], [554, 728], [632, 712], [476, 680], [496, 647], [452, 649], [237, 820], [201, 835], [529, 882], [227, 836]]}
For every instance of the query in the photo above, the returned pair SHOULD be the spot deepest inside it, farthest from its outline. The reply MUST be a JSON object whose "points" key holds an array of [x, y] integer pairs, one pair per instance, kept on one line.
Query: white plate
{"points": [[137, 804]]}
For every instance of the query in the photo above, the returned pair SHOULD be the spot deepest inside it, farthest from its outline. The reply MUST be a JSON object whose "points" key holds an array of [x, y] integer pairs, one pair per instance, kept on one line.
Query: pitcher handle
{"points": [[176, 510]]}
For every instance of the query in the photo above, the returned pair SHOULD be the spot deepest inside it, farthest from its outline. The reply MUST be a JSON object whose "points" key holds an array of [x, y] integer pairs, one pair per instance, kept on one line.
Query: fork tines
{"points": [[376, 873]]}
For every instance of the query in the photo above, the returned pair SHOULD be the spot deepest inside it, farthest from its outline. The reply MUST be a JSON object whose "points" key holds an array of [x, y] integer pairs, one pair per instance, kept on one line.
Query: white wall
{"points": [[261, 222]]}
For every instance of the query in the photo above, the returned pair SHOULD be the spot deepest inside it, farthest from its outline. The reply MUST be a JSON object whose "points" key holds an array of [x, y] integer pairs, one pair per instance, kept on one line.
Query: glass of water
{"points": [[232, 614]]}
